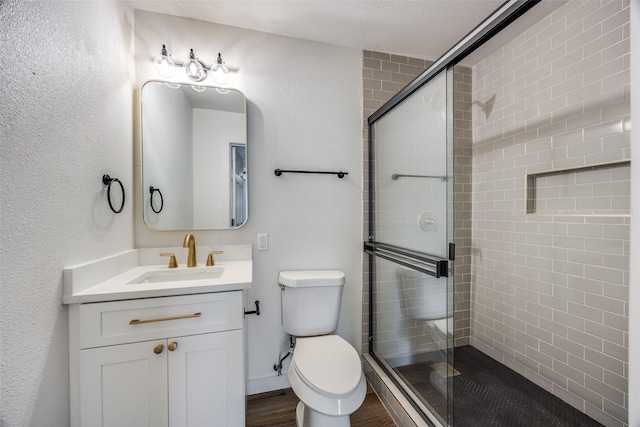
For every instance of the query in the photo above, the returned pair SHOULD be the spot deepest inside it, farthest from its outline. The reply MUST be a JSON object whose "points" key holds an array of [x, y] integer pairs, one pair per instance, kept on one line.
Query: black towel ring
{"points": [[153, 190], [107, 180]]}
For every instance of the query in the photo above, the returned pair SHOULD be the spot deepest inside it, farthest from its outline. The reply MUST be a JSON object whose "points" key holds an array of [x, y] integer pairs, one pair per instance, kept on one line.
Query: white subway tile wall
{"points": [[550, 292], [547, 296]]}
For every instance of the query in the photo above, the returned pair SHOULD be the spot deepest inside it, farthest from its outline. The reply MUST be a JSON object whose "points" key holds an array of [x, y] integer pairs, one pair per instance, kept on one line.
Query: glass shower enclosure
{"points": [[410, 246]]}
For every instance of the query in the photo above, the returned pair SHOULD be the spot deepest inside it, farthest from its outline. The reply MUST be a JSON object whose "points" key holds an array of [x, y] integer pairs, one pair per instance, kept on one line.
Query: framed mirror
{"points": [[194, 157]]}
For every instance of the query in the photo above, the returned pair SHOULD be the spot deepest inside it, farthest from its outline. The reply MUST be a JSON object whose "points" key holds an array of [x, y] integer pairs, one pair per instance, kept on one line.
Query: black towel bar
{"points": [[341, 174]]}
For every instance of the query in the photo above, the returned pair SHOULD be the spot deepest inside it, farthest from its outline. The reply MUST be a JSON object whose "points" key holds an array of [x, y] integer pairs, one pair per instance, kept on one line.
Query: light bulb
{"points": [[198, 88], [163, 64], [219, 71], [194, 69]]}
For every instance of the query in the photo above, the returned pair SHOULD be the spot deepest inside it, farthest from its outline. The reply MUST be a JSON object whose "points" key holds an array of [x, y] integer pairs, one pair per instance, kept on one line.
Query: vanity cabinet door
{"points": [[206, 380], [124, 385]]}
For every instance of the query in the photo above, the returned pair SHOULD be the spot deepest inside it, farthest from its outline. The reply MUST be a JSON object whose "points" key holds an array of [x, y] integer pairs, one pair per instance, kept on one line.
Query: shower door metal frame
{"points": [[502, 17], [426, 263]]}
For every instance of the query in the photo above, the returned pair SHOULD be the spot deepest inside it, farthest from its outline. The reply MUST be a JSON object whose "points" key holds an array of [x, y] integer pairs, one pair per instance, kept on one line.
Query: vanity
{"points": [[151, 345], [154, 342]]}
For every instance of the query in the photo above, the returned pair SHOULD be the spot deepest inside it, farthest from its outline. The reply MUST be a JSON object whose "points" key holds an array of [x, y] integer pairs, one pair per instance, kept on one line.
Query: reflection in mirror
{"points": [[194, 168]]}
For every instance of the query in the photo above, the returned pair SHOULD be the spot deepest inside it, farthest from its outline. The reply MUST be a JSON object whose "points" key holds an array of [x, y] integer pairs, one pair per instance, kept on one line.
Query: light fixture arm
{"points": [[163, 63], [219, 72]]}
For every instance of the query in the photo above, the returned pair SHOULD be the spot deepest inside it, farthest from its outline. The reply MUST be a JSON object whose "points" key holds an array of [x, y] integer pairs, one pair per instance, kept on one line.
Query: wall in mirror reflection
{"points": [[194, 152]]}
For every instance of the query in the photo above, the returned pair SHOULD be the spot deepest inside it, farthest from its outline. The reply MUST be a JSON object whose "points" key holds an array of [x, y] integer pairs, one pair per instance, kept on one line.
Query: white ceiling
{"points": [[419, 28]]}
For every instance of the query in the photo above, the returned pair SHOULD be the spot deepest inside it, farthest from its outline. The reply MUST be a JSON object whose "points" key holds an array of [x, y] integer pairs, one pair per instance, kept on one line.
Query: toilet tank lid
{"points": [[309, 278]]}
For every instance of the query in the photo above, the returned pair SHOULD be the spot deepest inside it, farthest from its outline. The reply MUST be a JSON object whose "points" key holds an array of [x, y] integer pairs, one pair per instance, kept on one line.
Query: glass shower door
{"points": [[410, 246]]}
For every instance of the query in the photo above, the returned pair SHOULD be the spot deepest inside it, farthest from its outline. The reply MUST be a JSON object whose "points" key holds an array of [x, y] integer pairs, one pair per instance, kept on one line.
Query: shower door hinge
{"points": [[452, 251]]}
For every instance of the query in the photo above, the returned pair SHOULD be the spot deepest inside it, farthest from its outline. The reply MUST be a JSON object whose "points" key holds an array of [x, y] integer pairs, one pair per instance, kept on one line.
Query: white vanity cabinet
{"points": [[170, 361]]}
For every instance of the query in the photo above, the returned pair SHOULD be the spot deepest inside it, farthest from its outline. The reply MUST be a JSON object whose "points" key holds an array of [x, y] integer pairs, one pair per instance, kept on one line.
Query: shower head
{"points": [[486, 107]]}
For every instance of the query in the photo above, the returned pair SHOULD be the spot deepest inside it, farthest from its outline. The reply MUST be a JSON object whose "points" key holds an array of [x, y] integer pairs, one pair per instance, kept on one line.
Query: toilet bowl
{"points": [[326, 375], [325, 371], [425, 298]]}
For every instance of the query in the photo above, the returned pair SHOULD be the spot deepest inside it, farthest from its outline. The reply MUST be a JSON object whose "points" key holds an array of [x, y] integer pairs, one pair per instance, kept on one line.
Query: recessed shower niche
{"points": [[602, 189]]}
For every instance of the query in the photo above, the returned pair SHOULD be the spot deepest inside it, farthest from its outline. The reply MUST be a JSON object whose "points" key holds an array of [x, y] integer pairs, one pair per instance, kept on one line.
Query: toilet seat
{"points": [[326, 374], [328, 364]]}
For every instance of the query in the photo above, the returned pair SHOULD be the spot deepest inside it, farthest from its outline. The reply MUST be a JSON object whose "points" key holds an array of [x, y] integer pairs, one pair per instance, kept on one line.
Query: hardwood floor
{"points": [[278, 408]]}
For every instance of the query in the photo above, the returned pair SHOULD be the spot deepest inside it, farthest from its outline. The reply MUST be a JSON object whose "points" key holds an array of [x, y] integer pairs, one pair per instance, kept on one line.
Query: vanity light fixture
{"points": [[219, 71], [163, 63], [194, 69]]}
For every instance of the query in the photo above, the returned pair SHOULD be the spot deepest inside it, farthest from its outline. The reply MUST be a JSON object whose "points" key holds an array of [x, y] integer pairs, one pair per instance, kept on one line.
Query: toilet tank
{"points": [[424, 296], [310, 301]]}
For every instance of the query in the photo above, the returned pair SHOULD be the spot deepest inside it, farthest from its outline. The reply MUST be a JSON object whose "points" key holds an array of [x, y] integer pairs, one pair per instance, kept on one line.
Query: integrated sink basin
{"points": [[178, 275]]}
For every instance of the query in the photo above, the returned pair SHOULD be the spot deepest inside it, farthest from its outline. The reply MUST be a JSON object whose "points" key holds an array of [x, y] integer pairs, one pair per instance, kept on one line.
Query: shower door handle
{"points": [[425, 263]]}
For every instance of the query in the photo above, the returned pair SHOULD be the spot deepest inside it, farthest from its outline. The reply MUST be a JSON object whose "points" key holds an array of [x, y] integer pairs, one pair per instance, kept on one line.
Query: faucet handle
{"points": [[172, 261], [210, 260]]}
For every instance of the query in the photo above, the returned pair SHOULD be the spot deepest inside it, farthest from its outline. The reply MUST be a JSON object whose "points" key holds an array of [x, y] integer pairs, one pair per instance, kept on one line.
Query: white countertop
{"points": [[109, 279]]}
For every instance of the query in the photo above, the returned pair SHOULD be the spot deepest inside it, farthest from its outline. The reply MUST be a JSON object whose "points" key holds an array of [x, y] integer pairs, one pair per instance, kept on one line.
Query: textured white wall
{"points": [[65, 114], [304, 104]]}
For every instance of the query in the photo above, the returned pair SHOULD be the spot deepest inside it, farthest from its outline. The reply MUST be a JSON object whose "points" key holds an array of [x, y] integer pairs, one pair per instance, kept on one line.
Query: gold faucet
{"points": [[190, 242]]}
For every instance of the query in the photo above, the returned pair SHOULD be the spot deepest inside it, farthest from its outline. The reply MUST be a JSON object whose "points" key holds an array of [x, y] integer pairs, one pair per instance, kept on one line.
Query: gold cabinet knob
{"points": [[158, 349], [172, 260], [210, 260], [173, 345]]}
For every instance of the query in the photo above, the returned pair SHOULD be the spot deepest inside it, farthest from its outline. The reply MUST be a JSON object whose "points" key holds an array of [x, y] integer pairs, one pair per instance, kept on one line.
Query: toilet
{"points": [[425, 298], [325, 371]]}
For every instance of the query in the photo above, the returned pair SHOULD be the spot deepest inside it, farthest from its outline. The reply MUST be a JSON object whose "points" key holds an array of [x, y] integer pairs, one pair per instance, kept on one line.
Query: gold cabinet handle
{"points": [[173, 346], [210, 260], [158, 349], [172, 261], [164, 319]]}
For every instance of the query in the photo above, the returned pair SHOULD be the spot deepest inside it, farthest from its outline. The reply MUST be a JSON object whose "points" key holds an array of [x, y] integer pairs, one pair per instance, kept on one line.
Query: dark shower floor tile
{"points": [[487, 393]]}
